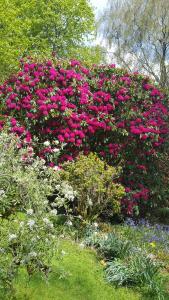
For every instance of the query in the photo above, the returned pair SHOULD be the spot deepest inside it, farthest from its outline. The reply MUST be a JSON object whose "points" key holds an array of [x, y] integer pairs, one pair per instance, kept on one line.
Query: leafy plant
{"points": [[28, 237], [139, 269], [110, 245], [41, 28], [95, 184], [26, 181]]}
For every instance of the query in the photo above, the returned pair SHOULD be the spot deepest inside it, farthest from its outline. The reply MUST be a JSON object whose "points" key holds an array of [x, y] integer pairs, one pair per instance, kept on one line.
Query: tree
{"points": [[89, 54], [39, 27], [139, 33]]}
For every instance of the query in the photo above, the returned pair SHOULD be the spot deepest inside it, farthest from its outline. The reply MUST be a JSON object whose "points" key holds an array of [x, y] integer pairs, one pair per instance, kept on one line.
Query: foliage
{"points": [[121, 117], [26, 181], [139, 32], [149, 239], [42, 27], [162, 212], [94, 182], [89, 54], [109, 245], [28, 241], [127, 262], [28, 238], [138, 270], [155, 238]]}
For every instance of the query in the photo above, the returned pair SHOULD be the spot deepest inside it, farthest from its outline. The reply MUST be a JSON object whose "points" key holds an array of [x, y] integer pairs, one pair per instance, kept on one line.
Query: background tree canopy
{"points": [[40, 27], [139, 33]]}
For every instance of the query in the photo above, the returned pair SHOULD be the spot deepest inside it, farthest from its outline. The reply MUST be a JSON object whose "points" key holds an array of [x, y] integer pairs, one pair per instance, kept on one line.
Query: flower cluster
{"points": [[120, 116]]}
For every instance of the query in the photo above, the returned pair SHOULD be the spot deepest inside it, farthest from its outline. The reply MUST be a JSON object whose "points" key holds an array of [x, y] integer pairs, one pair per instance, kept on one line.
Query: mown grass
{"points": [[84, 280]]}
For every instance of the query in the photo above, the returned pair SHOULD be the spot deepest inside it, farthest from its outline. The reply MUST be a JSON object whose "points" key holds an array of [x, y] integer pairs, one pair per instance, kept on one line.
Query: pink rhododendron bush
{"points": [[119, 116]]}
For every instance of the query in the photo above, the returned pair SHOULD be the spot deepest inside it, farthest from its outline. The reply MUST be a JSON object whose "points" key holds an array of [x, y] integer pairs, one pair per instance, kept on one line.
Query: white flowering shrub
{"points": [[63, 196], [26, 181], [28, 237], [25, 241]]}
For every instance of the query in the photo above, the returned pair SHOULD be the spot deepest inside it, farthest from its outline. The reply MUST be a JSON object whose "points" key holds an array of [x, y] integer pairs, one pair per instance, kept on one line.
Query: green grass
{"points": [[84, 281]]}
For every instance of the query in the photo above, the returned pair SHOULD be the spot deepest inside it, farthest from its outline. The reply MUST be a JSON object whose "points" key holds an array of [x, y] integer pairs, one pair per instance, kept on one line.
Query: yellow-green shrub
{"points": [[94, 182]]}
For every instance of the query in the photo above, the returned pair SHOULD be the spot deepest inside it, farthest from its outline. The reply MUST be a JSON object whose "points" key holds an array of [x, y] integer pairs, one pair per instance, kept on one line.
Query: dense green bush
{"points": [[95, 184]]}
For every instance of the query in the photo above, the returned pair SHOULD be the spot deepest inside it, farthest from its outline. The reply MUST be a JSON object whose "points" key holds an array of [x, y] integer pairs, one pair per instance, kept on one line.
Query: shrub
{"points": [[95, 184], [26, 241], [26, 181], [28, 237], [120, 116]]}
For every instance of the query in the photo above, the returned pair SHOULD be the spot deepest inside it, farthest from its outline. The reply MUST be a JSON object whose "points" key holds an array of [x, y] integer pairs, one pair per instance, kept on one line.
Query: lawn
{"points": [[83, 279]]}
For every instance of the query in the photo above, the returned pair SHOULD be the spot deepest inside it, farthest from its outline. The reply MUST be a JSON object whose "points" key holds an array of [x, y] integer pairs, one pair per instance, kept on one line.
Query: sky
{"points": [[98, 4]]}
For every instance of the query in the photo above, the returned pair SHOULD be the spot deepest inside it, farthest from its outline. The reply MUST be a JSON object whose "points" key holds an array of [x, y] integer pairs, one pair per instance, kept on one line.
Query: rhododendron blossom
{"points": [[120, 116]]}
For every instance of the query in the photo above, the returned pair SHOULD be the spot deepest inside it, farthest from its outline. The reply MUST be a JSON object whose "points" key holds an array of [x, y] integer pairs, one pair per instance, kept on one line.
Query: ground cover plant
{"points": [[120, 116], [131, 257]]}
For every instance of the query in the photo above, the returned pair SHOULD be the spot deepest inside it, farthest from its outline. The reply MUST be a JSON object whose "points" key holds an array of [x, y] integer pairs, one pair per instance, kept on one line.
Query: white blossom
{"points": [[56, 150], [21, 224], [69, 192], [43, 161], [95, 233], [81, 245], [90, 203], [56, 168], [46, 143], [12, 237], [69, 223], [151, 256], [47, 222], [95, 225], [33, 254], [2, 192], [29, 212], [54, 212], [53, 204], [31, 223], [63, 252], [45, 202], [58, 186]]}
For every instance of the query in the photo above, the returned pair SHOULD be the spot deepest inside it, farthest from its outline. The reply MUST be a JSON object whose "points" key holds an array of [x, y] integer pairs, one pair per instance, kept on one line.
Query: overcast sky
{"points": [[98, 4]]}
